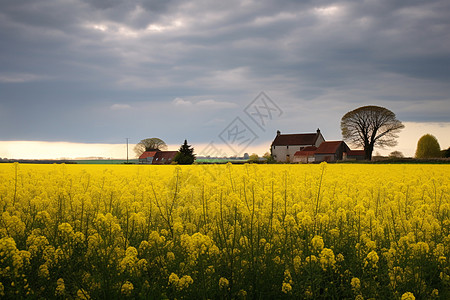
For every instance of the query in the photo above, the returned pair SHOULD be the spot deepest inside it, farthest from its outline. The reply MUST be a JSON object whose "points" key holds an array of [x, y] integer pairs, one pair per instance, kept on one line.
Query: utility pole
{"points": [[127, 148]]}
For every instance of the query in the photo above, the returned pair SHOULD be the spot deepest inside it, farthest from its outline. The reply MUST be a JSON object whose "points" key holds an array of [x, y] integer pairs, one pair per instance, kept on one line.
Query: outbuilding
{"points": [[164, 157], [330, 151], [147, 157], [305, 156]]}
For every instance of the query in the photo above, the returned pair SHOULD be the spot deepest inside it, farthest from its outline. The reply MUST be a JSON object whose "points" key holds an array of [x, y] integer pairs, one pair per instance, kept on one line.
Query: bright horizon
{"points": [[407, 143]]}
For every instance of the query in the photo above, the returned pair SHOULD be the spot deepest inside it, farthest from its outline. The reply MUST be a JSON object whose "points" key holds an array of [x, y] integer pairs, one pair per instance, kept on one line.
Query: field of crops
{"points": [[225, 231]]}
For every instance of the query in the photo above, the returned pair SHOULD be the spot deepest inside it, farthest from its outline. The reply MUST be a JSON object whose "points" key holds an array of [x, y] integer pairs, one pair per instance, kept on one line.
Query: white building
{"points": [[284, 146]]}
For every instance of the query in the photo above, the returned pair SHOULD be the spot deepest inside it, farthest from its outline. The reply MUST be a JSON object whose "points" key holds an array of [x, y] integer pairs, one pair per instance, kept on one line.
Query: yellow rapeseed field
{"points": [[225, 231]]}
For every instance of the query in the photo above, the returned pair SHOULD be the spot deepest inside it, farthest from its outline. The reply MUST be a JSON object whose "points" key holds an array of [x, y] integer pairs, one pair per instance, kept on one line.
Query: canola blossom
{"points": [[225, 231]]}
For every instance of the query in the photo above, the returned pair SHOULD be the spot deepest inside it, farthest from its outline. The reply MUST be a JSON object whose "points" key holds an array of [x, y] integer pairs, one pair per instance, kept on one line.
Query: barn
{"points": [[311, 147], [157, 157], [147, 157], [164, 157]]}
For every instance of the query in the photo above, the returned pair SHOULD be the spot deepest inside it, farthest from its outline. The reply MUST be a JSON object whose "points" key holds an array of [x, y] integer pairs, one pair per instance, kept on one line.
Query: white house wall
{"points": [[280, 152], [319, 140]]}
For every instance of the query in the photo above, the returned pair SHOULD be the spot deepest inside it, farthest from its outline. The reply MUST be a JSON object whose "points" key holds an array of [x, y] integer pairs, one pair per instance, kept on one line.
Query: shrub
{"points": [[428, 147]]}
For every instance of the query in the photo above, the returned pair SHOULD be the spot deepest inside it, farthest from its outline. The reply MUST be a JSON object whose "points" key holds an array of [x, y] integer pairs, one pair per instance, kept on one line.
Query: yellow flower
{"points": [[311, 259], [356, 284], [173, 279], [297, 264], [277, 260], [421, 248], [223, 283], [286, 288], [287, 276], [371, 260], [170, 256], [408, 296], [185, 282], [43, 271], [308, 293], [127, 288], [210, 270], [327, 259], [83, 295], [317, 243], [371, 245], [60, 287], [435, 293]]}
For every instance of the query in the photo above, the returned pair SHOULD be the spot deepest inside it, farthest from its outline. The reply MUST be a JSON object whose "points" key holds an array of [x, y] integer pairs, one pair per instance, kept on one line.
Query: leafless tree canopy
{"points": [[371, 126], [150, 144]]}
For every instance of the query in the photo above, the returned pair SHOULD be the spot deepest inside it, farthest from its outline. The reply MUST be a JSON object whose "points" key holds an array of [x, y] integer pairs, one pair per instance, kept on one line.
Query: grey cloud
{"points": [[67, 59]]}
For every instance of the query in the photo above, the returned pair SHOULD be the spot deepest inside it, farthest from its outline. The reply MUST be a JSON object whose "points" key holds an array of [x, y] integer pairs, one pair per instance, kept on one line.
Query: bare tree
{"points": [[370, 126], [150, 144]]}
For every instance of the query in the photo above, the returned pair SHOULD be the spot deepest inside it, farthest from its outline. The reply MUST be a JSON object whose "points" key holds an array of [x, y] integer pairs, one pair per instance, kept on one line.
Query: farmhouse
{"points": [[157, 157], [284, 146], [311, 147]]}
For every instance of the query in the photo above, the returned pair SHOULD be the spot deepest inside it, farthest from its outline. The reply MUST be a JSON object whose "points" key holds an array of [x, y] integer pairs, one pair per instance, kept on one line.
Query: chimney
{"points": [[278, 132]]}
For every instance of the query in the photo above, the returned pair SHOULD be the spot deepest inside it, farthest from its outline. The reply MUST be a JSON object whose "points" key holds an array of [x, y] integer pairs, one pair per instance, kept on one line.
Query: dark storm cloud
{"points": [[64, 65]]}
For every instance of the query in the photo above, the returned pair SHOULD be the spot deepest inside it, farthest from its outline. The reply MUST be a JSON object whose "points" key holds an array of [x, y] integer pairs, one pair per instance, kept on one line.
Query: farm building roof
{"points": [[147, 154], [329, 147], [307, 151], [164, 157], [295, 139]]}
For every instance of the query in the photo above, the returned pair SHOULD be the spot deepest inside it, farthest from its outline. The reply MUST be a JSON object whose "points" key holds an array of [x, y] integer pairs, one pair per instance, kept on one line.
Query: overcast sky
{"points": [[98, 71]]}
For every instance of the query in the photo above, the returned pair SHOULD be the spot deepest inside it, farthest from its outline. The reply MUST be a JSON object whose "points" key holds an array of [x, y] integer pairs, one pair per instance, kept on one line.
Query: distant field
{"points": [[218, 160], [105, 161], [136, 161]]}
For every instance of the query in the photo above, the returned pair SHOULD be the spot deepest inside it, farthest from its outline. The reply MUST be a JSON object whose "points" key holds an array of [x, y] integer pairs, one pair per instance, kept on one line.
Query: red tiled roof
{"points": [[328, 147], [164, 157], [307, 151], [356, 153], [295, 139], [147, 154]]}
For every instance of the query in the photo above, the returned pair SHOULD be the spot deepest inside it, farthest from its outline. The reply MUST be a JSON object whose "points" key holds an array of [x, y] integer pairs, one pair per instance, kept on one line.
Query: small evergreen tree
{"points": [[428, 147], [185, 155]]}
